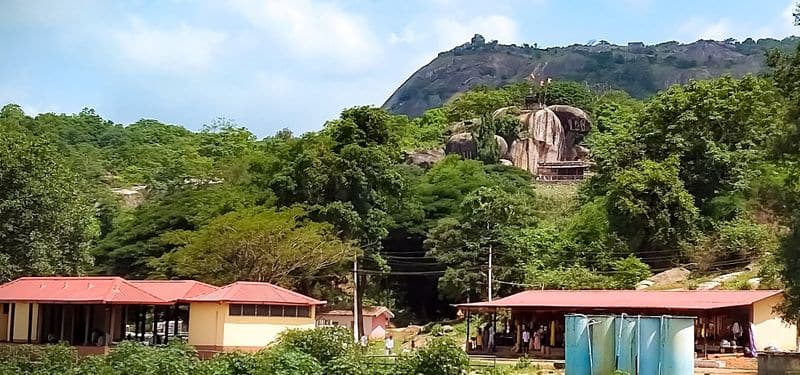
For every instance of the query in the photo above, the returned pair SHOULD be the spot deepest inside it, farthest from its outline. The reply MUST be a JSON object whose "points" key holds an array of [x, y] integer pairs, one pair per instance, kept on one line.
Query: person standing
{"points": [[388, 344], [490, 343], [526, 339]]}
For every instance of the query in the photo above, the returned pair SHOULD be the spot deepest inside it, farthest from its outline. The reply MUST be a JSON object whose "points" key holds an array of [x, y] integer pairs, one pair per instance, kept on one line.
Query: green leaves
{"points": [[46, 224], [276, 246]]}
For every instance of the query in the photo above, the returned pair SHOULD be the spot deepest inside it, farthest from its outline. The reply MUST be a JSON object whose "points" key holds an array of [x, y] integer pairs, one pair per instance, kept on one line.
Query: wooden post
{"points": [[13, 319], [30, 321], [63, 323], [87, 339], [109, 326], [166, 324], [469, 340], [177, 314], [155, 326], [124, 321]]}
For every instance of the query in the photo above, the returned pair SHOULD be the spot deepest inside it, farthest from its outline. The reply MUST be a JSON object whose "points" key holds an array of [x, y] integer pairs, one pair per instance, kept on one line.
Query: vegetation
{"points": [[702, 175], [324, 351]]}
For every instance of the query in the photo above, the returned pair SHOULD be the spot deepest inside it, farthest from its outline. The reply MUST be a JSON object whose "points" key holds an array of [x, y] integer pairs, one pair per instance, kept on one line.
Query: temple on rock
{"points": [[547, 144]]}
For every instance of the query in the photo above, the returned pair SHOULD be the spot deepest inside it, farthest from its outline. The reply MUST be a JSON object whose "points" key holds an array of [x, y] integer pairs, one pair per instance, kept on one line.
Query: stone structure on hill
{"points": [[547, 144]]}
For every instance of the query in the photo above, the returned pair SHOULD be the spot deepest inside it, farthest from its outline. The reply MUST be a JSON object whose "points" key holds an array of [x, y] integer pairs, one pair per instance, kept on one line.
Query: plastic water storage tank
{"points": [[626, 346], [576, 344], [643, 345], [589, 348]]}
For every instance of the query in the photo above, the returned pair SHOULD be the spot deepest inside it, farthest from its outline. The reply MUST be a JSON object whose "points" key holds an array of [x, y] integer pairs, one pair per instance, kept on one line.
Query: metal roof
{"points": [[174, 290], [627, 299], [249, 292], [86, 290]]}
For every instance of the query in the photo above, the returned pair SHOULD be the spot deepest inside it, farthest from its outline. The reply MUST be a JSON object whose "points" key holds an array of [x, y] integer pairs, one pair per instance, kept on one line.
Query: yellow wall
{"points": [[206, 321], [210, 324], [769, 328], [21, 322]]}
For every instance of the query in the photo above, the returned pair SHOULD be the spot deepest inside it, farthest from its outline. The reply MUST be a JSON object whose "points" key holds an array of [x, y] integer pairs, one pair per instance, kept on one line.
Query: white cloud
{"points": [[781, 28], [407, 36], [453, 32], [313, 29], [179, 49], [700, 28]]}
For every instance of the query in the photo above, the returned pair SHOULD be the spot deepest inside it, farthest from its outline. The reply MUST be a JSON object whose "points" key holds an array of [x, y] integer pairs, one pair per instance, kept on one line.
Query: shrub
{"points": [[281, 360], [440, 356], [322, 344], [131, 358], [236, 363]]}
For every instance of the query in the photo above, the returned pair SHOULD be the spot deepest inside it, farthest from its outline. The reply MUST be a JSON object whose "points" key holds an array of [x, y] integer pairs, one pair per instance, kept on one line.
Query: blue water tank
{"points": [[649, 345], [678, 349], [626, 347], [602, 359], [576, 345]]}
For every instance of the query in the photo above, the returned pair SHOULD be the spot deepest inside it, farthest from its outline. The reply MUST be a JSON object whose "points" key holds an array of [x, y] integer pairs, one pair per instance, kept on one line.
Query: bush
{"points": [[352, 363], [322, 344], [236, 363], [440, 356], [281, 360], [36, 359], [131, 358]]}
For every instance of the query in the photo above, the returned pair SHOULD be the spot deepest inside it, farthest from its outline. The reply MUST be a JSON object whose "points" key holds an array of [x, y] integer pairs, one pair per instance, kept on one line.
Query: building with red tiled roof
{"points": [[376, 320], [246, 316], [94, 312], [725, 319], [174, 290]]}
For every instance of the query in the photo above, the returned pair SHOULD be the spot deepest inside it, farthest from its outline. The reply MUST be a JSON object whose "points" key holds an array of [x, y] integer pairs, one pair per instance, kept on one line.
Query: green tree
{"points": [[46, 224], [718, 129], [649, 206], [279, 247], [463, 244]]}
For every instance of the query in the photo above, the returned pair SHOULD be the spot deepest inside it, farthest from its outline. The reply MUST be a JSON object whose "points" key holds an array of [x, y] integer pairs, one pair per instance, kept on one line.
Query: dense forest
{"points": [[702, 175]]}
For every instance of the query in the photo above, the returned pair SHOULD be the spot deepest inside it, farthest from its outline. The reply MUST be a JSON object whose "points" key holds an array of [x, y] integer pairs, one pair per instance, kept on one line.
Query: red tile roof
{"points": [[368, 311], [93, 290], [628, 299], [174, 290], [248, 292]]}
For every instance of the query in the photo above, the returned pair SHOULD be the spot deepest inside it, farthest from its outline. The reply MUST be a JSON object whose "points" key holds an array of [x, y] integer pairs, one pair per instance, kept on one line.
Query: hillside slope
{"points": [[639, 69]]}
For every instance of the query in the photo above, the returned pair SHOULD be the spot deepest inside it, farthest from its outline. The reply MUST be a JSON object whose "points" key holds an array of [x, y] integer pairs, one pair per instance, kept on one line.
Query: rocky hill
{"points": [[639, 69]]}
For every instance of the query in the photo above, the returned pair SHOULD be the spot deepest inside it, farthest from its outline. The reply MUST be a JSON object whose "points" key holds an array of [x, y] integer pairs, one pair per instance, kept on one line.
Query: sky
{"points": [[272, 64]]}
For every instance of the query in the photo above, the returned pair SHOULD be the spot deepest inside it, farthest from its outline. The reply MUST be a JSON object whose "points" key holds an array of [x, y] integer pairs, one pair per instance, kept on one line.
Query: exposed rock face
{"points": [[132, 197], [655, 67], [424, 158], [548, 135], [670, 276], [464, 144]]}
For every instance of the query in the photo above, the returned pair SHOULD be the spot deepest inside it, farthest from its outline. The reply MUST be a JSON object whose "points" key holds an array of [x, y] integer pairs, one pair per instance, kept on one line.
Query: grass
{"points": [[556, 202]]}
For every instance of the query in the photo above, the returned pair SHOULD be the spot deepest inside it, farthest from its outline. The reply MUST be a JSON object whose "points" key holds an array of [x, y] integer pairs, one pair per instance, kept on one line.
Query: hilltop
{"points": [[639, 69]]}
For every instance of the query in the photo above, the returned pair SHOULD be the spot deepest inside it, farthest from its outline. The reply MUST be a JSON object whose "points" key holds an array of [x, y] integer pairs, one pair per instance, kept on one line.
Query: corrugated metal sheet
{"points": [[247, 292], [95, 290], [174, 290], [628, 299]]}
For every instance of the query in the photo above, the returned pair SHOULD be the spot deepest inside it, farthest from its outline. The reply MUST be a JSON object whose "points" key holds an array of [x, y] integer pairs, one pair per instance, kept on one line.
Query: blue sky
{"points": [[296, 63]]}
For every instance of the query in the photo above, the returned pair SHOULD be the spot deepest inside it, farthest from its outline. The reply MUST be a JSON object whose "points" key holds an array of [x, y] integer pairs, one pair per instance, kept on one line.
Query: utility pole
{"points": [[355, 299], [490, 272]]}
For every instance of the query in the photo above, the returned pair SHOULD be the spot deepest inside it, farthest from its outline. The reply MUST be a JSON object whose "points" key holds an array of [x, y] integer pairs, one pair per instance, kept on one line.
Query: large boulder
{"points": [[424, 158], [464, 144], [670, 276]]}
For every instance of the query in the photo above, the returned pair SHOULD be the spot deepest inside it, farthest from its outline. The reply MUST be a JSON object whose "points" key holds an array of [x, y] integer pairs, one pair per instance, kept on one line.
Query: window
{"points": [[249, 310], [270, 310], [303, 311]]}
